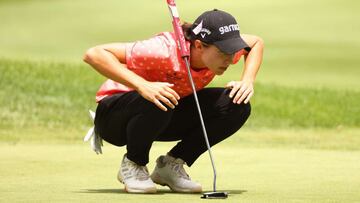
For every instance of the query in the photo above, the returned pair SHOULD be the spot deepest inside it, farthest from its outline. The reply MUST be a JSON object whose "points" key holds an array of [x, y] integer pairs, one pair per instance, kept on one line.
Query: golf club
{"points": [[185, 54]]}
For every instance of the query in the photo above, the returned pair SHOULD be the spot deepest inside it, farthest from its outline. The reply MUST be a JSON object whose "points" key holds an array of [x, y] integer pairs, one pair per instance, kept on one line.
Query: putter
{"points": [[185, 54]]}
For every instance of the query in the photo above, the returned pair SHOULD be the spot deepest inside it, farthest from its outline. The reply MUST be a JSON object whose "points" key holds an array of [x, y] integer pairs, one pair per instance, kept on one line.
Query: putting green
{"points": [[71, 172]]}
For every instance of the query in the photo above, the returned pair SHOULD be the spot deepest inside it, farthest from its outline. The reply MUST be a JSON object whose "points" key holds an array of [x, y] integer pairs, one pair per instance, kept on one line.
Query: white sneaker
{"points": [[135, 178], [170, 171]]}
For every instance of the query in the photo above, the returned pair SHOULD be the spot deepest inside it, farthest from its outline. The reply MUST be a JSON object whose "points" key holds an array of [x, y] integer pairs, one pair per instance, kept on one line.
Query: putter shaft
{"points": [[201, 118]]}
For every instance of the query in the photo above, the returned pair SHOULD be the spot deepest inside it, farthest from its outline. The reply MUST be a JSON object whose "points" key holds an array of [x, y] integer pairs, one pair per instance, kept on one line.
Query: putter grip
{"points": [[177, 28]]}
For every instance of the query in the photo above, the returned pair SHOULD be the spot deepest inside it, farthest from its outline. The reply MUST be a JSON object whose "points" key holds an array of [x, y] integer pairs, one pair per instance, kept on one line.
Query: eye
{"points": [[224, 55], [221, 53]]}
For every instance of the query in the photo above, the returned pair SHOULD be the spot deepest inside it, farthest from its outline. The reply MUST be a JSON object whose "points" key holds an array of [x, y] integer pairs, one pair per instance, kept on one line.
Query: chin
{"points": [[219, 72]]}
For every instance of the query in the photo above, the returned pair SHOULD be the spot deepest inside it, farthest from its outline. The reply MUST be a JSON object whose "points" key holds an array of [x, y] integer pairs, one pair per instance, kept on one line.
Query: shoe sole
{"points": [[133, 190], [140, 191], [157, 179]]}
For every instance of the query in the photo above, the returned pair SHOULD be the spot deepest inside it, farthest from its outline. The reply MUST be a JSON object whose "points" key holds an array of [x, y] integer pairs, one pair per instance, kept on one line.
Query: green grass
{"points": [[73, 173], [321, 139], [308, 43], [56, 96]]}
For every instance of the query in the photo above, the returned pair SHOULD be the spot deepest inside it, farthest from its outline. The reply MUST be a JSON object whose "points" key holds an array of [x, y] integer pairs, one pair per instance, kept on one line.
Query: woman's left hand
{"points": [[240, 91]]}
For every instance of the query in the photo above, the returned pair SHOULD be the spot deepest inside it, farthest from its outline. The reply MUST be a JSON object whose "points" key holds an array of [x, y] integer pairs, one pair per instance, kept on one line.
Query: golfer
{"points": [[148, 97]]}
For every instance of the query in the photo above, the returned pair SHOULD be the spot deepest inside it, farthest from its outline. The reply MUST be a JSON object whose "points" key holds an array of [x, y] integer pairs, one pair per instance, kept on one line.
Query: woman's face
{"points": [[216, 60]]}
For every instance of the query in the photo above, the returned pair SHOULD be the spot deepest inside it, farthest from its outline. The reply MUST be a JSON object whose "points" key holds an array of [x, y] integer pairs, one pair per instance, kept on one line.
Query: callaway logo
{"points": [[199, 29], [228, 28]]}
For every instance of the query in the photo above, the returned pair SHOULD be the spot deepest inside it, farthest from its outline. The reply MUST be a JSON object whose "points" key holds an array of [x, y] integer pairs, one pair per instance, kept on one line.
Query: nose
{"points": [[229, 58]]}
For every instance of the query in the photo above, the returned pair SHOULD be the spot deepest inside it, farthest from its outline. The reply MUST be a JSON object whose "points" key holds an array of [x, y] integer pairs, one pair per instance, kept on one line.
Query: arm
{"points": [[254, 58], [243, 90], [109, 60]]}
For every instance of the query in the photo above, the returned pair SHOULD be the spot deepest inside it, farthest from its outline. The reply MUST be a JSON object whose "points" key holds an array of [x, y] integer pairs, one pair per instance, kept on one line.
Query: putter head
{"points": [[215, 195]]}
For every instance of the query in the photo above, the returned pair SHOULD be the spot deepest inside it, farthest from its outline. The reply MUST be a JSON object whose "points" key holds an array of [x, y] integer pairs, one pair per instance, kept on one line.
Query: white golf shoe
{"points": [[170, 171], [135, 178]]}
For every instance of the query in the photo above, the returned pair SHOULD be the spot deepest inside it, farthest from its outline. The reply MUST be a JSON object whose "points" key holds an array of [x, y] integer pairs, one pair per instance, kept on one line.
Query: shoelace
{"points": [[140, 172], [178, 167]]}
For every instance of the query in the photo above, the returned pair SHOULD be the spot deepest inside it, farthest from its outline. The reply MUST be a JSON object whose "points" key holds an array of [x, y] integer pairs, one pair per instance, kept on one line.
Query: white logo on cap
{"points": [[228, 28], [199, 28]]}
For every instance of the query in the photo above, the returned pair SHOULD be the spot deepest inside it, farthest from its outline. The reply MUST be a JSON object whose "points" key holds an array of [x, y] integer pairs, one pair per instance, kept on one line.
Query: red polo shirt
{"points": [[158, 59]]}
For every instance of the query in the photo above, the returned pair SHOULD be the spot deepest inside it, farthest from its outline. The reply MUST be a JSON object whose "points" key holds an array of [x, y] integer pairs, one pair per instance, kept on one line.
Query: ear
{"points": [[198, 45]]}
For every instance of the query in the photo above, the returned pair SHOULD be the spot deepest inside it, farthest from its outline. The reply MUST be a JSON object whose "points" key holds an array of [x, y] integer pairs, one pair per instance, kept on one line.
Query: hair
{"points": [[186, 27]]}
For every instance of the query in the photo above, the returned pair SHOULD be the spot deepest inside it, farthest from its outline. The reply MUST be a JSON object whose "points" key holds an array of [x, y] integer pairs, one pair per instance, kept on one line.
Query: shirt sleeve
{"points": [[147, 54], [238, 55]]}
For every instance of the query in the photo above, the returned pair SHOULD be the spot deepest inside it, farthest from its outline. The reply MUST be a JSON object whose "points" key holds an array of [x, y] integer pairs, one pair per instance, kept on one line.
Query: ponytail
{"points": [[186, 27]]}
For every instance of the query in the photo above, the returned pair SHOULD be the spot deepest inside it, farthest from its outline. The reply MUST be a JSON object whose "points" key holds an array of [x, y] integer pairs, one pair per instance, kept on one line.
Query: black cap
{"points": [[220, 29]]}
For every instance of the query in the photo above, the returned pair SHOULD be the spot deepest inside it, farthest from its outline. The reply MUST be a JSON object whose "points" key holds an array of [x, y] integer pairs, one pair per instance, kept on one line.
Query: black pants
{"points": [[129, 119]]}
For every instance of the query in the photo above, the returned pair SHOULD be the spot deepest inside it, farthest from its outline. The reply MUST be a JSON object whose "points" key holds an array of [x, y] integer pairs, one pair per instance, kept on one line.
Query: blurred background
{"points": [[300, 144], [309, 79]]}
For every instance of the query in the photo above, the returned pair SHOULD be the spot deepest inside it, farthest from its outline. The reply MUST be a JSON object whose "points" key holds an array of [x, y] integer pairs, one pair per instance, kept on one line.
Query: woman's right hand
{"points": [[159, 93], [109, 60]]}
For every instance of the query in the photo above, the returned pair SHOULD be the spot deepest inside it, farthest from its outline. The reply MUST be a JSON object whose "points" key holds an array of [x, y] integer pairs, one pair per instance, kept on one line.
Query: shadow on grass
{"points": [[159, 191]]}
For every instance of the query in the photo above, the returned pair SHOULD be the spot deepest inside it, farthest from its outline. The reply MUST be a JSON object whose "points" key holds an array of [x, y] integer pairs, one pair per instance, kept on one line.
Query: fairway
{"points": [[63, 173]]}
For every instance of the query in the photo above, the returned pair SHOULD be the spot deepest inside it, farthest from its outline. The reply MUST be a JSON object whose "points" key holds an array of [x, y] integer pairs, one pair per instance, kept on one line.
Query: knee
{"points": [[238, 116], [241, 112], [245, 109], [226, 107]]}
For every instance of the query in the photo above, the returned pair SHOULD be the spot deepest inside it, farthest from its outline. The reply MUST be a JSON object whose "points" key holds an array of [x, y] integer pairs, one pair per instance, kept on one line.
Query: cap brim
{"points": [[231, 46]]}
